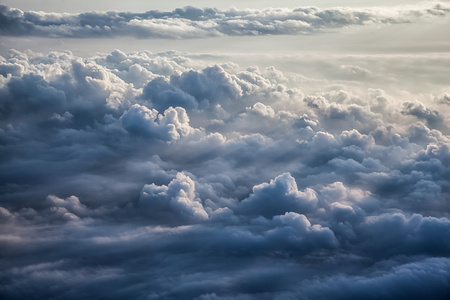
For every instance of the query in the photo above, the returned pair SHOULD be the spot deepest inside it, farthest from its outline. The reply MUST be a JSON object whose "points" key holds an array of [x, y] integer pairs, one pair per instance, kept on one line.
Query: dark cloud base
{"points": [[147, 176]]}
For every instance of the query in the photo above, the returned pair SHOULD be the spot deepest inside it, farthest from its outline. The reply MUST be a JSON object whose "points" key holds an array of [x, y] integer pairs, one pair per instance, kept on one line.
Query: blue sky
{"points": [[224, 150]]}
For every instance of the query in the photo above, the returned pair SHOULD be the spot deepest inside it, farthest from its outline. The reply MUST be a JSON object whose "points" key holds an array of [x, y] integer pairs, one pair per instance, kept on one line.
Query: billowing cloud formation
{"points": [[153, 176], [191, 22], [278, 197], [178, 198]]}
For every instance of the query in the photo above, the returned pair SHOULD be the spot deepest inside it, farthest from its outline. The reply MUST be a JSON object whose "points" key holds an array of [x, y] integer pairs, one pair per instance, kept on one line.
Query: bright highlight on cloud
{"points": [[164, 176]]}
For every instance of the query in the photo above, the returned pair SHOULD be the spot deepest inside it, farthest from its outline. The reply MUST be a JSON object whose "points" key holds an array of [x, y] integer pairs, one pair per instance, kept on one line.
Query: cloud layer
{"points": [[152, 176], [192, 22]]}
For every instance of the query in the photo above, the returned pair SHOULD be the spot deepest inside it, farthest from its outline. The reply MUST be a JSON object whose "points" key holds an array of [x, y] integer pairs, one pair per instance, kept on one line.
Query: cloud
{"points": [[443, 98], [160, 176], [280, 196], [191, 22], [142, 121], [178, 198], [162, 95], [418, 110], [395, 282]]}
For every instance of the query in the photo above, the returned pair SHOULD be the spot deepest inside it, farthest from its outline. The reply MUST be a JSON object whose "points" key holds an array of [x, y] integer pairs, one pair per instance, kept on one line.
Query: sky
{"points": [[224, 150], [145, 5]]}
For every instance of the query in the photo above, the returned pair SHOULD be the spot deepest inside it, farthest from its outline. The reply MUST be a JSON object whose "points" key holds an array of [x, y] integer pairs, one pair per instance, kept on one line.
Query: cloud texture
{"points": [[145, 176], [177, 175], [192, 22]]}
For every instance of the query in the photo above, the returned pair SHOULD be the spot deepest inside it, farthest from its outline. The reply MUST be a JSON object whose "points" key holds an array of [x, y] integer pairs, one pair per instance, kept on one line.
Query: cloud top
{"points": [[155, 176], [192, 22]]}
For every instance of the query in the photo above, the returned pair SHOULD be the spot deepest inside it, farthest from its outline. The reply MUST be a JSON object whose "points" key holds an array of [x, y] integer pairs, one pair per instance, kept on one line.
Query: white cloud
{"points": [[193, 22]]}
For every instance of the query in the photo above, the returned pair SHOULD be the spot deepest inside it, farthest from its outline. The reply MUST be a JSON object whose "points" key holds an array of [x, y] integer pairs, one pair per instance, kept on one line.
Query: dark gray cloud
{"points": [[146, 176], [432, 118], [278, 197], [191, 22]]}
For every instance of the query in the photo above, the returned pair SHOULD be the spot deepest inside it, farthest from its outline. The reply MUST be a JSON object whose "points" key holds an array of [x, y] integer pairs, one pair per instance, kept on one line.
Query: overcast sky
{"points": [[225, 150]]}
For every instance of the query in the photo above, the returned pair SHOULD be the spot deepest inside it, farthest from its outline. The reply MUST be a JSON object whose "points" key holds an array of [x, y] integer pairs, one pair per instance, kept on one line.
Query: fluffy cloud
{"points": [[177, 198], [159, 176], [281, 195], [141, 121]]}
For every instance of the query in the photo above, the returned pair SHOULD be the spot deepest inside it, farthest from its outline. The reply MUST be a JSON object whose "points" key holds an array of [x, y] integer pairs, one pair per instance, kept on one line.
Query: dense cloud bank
{"points": [[151, 176], [191, 22]]}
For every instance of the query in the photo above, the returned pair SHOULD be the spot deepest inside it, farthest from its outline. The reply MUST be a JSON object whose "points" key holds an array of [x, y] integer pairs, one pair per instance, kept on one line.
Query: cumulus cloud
{"points": [[191, 22], [280, 196], [178, 198], [142, 121], [157, 176]]}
